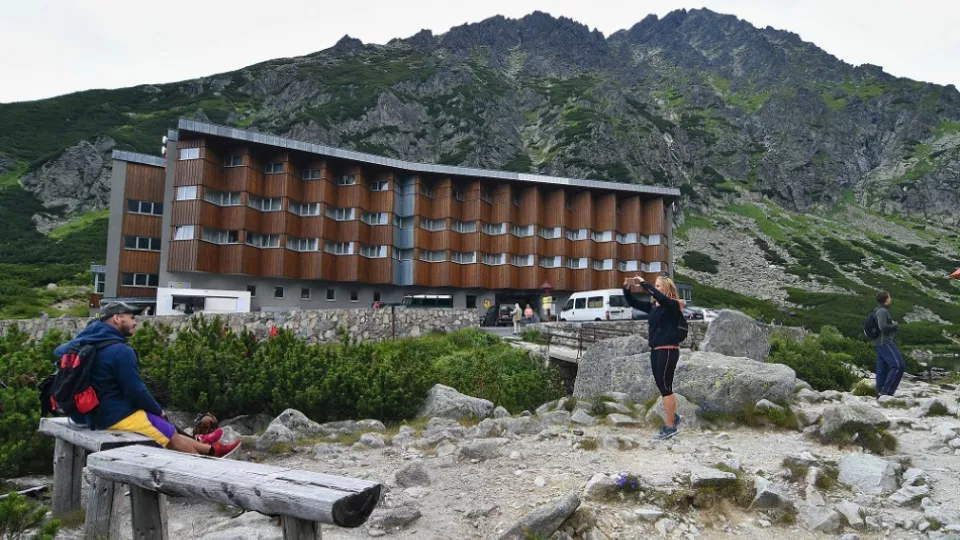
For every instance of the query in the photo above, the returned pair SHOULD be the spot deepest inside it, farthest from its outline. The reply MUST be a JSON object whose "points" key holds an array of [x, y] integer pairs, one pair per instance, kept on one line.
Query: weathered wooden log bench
{"points": [[74, 442], [304, 500]]}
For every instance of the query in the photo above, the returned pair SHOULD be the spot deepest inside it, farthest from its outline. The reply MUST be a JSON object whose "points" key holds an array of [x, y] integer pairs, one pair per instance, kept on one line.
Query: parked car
{"points": [[692, 313], [599, 305]]}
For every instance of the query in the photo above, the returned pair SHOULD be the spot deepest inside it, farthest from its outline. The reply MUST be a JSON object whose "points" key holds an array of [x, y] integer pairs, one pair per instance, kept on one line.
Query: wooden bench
{"points": [[74, 442], [304, 500]]}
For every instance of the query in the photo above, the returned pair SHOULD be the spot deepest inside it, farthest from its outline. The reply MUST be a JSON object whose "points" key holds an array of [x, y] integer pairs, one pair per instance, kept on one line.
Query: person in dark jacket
{"points": [[125, 402], [890, 364], [664, 318]]}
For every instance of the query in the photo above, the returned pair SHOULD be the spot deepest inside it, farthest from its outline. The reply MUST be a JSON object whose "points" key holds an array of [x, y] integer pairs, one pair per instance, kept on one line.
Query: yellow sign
{"points": [[487, 303], [547, 301]]}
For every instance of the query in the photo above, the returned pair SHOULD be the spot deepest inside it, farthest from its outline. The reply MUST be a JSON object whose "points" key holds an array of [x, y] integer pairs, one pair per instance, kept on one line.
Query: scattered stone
{"points": [[401, 440], [248, 424], [852, 514], [488, 428], [808, 395], [730, 463], [555, 417], [665, 526], [622, 420], [851, 418], [765, 405], [648, 514], [807, 417], [821, 519], [764, 523], [445, 402], [482, 511], [413, 474], [371, 425], [323, 450], [709, 477], [909, 495], [769, 496], [850, 536], [275, 433], [914, 477], [373, 440], [523, 425], [927, 405], [482, 449], [733, 333], [831, 395], [582, 418], [446, 448], [298, 423], [546, 407], [600, 486], [501, 412], [394, 518], [545, 520], [874, 476], [540, 482], [614, 407]]}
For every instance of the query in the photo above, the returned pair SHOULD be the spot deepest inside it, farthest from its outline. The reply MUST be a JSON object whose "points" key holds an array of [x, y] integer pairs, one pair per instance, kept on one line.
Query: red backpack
{"points": [[71, 392]]}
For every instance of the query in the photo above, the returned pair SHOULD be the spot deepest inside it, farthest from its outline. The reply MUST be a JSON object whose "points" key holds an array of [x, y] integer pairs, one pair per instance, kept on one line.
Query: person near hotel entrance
{"points": [[125, 402], [664, 318], [890, 364], [517, 314]]}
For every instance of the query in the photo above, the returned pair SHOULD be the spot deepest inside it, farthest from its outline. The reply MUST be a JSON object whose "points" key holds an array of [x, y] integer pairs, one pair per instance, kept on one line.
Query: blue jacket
{"points": [[663, 319], [115, 376]]}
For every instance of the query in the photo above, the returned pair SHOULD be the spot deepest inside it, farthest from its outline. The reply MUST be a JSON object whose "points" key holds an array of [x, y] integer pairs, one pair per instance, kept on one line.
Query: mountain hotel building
{"points": [[301, 225]]}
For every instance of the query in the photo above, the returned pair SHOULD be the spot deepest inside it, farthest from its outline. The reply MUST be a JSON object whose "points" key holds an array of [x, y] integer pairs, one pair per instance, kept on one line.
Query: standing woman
{"points": [[665, 313]]}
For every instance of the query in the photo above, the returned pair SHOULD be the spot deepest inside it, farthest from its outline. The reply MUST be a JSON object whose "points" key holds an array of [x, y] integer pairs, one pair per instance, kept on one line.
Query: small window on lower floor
{"points": [[376, 296], [471, 301], [304, 293], [252, 289], [331, 294], [354, 296], [278, 292]]}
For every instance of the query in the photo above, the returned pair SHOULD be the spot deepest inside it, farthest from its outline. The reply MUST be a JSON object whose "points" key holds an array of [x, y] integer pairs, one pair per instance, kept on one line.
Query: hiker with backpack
{"points": [[880, 327], [98, 384], [667, 329]]}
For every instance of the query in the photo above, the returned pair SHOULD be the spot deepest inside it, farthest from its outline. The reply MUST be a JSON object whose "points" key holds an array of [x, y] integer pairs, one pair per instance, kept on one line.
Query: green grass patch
{"points": [[690, 222], [946, 127], [812, 362], [894, 404], [764, 223], [84, 221], [864, 388], [938, 409], [878, 441]]}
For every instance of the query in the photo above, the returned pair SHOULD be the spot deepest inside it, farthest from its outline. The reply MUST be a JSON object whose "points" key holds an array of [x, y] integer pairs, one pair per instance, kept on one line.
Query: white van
{"points": [[601, 305]]}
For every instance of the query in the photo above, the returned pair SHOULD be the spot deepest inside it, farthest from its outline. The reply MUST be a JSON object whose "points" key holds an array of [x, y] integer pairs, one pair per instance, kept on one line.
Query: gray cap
{"points": [[117, 308]]}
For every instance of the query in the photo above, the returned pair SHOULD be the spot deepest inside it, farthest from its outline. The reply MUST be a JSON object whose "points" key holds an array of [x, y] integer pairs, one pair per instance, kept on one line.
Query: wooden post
{"points": [[104, 501], [67, 471], [149, 514], [300, 529]]}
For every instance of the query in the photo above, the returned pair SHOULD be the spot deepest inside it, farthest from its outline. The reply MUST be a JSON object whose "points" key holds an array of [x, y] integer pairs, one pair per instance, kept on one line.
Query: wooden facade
{"points": [[143, 183]]}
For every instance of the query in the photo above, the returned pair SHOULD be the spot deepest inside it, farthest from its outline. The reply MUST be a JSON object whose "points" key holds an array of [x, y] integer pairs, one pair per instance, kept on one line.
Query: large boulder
{"points": [[298, 423], [734, 334], [248, 424], [849, 419], [615, 365], [872, 475], [445, 402], [545, 520]]}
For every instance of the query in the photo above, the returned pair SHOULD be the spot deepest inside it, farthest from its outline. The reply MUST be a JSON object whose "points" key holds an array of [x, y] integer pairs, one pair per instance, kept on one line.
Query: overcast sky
{"points": [[53, 47]]}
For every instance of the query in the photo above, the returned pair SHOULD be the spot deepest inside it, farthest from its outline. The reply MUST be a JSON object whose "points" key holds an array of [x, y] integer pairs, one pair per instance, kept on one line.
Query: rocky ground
{"points": [[462, 479]]}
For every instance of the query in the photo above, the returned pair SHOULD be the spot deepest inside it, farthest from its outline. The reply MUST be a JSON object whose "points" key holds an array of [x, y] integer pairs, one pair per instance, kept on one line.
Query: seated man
{"points": [[125, 402]]}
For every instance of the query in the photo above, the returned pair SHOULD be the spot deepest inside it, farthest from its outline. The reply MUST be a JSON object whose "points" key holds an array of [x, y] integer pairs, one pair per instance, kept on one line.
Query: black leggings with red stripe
{"points": [[663, 362]]}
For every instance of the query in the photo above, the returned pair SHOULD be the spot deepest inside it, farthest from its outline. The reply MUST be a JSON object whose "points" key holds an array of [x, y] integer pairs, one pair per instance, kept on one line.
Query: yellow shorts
{"points": [[147, 424]]}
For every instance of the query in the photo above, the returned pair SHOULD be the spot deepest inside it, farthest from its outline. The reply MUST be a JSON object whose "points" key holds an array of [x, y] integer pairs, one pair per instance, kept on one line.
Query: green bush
{"points": [[19, 513], [23, 363], [823, 370], [702, 262]]}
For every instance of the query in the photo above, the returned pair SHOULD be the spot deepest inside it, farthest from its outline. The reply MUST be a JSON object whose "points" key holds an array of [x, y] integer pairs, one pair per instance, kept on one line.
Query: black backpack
{"points": [[871, 328], [70, 392], [682, 328]]}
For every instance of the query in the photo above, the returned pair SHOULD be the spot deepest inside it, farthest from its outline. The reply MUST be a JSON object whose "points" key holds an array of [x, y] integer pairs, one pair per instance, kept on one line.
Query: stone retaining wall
{"points": [[316, 326], [697, 329]]}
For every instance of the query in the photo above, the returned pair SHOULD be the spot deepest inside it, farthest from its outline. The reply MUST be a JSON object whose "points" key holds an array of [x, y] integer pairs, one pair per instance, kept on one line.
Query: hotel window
{"points": [[652, 240], [305, 209], [494, 259], [569, 205], [403, 254], [550, 262], [265, 205], [144, 207], [521, 230], [374, 218], [426, 191], [347, 180], [605, 264], [184, 232], [376, 296], [463, 226], [331, 294], [373, 252], [433, 224], [486, 195], [494, 228], [577, 234], [278, 292], [650, 267], [521, 260], [627, 266], [550, 233], [354, 296], [189, 153], [217, 236], [341, 214], [465, 257], [263, 240], [379, 185], [310, 174], [602, 236], [99, 283], [273, 168], [139, 280], [339, 248], [303, 244], [628, 238], [403, 222], [141, 243], [577, 264], [304, 293], [457, 194], [433, 256], [186, 193], [220, 198], [515, 200], [233, 161], [252, 289]]}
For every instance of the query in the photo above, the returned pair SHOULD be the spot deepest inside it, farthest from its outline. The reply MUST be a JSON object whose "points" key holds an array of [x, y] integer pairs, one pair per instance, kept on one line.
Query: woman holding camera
{"points": [[665, 313]]}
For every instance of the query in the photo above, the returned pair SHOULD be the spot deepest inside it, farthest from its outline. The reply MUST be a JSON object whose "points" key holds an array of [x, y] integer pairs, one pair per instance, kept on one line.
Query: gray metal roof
{"points": [[273, 140], [129, 300], [136, 157]]}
